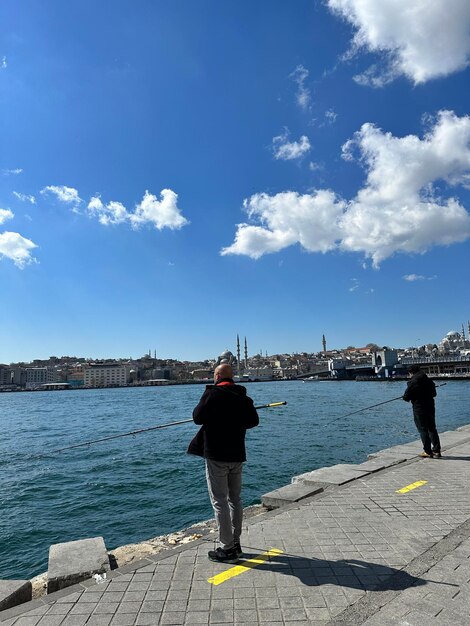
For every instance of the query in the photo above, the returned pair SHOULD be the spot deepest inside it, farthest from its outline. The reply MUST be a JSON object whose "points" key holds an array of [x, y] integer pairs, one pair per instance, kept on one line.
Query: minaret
{"points": [[463, 332], [154, 354], [324, 343], [238, 354], [246, 354]]}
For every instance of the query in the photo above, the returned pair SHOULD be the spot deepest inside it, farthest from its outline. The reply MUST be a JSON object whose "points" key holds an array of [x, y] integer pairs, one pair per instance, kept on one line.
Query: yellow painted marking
{"points": [[247, 565], [418, 483]]}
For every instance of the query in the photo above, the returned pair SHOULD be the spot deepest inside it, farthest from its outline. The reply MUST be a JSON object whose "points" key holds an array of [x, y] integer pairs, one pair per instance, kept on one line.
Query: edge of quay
{"points": [[303, 488]]}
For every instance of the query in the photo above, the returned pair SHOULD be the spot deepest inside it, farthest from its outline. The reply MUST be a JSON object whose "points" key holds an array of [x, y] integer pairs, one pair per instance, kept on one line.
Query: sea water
{"points": [[134, 488]]}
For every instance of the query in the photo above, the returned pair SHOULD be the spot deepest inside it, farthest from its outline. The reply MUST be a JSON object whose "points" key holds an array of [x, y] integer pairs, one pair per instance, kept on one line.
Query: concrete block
{"points": [[389, 459], [334, 475], [290, 493], [74, 561], [379, 463], [14, 592]]}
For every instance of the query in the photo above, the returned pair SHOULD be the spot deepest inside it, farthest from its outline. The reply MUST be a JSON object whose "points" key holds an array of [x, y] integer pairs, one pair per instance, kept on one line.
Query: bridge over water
{"points": [[445, 365]]}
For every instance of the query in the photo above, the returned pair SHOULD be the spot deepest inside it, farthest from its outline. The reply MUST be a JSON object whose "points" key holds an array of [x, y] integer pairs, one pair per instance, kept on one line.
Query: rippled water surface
{"points": [[134, 488]]}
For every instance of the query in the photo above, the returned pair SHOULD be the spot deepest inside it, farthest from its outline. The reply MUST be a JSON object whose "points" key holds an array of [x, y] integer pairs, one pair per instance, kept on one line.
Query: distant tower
{"points": [[463, 332], [238, 354], [154, 354], [246, 354], [324, 343]]}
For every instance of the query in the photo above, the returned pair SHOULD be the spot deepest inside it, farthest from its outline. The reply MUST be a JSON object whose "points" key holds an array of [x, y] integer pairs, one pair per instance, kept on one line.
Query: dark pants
{"points": [[426, 426]]}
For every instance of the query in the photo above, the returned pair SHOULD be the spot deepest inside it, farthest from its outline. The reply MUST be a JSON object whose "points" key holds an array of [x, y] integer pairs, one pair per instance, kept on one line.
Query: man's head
{"points": [[414, 369], [224, 370]]}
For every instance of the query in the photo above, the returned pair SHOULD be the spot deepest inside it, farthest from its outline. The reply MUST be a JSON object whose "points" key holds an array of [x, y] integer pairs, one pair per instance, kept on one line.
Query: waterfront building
{"points": [[263, 372], [106, 374], [5, 376], [36, 377], [201, 374]]}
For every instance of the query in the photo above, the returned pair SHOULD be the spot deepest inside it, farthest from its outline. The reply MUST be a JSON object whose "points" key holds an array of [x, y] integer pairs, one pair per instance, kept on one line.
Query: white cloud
{"points": [[288, 218], [414, 277], [313, 167], [107, 214], [162, 213], [397, 209], [12, 172], [68, 195], [330, 116], [17, 248], [24, 197], [355, 284], [287, 151], [299, 76], [5, 214], [420, 39], [3, 63]]}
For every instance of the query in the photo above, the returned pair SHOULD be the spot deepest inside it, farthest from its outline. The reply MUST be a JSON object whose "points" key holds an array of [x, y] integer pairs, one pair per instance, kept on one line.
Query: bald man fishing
{"points": [[224, 413]]}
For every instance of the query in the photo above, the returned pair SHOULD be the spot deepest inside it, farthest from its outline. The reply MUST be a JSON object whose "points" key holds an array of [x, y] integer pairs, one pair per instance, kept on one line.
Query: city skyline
{"points": [[173, 173], [464, 332]]}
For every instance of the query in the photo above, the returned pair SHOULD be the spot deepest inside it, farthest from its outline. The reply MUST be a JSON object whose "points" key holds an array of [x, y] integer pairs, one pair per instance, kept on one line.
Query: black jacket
{"points": [[225, 412], [421, 391]]}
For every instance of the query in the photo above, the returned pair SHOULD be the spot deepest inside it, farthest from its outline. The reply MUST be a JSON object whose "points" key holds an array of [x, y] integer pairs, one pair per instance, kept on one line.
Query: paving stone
{"points": [[75, 620], [246, 616], [124, 619], [49, 620], [196, 618]]}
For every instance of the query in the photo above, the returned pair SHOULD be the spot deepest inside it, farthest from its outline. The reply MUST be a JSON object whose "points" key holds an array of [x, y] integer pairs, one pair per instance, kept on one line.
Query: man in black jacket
{"points": [[224, 413], [421, 391]]}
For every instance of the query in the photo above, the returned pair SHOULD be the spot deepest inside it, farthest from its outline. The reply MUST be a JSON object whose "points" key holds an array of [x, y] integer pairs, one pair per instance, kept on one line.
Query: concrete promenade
{"points": [[391, 547]]}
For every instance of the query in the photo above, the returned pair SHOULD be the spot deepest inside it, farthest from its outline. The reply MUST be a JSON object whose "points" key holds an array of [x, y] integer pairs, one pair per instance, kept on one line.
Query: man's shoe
{"points": [[223, 556], [426, 455], [437, 455], [238, 549]]}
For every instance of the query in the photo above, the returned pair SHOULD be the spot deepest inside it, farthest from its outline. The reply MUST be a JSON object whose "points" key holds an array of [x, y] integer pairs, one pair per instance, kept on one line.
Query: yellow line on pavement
{"points": [[247, 565], [418, 483]]}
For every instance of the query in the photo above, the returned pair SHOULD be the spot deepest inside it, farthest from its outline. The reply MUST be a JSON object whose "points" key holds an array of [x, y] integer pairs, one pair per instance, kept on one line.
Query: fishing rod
{"points": [[144, 430], [373, 406]]}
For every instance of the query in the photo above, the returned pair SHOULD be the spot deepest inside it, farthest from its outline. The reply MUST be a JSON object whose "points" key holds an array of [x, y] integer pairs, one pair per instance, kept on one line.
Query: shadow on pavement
{"points": [[350, 573]]}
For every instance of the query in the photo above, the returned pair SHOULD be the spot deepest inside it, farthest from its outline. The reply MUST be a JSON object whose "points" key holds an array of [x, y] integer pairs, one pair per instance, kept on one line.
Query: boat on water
{"points": [[311, 379]]}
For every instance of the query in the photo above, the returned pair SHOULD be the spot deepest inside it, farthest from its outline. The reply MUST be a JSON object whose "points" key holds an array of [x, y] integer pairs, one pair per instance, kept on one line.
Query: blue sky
{"points": [[173, 173]]}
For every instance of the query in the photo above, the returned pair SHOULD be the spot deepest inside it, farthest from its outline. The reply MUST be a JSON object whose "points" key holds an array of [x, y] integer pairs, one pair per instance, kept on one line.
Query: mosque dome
{"points": [[226, 357]]}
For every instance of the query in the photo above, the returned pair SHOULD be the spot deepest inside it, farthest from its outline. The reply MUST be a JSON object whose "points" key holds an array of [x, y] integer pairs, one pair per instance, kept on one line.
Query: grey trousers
{"points": [[224, 482]]}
